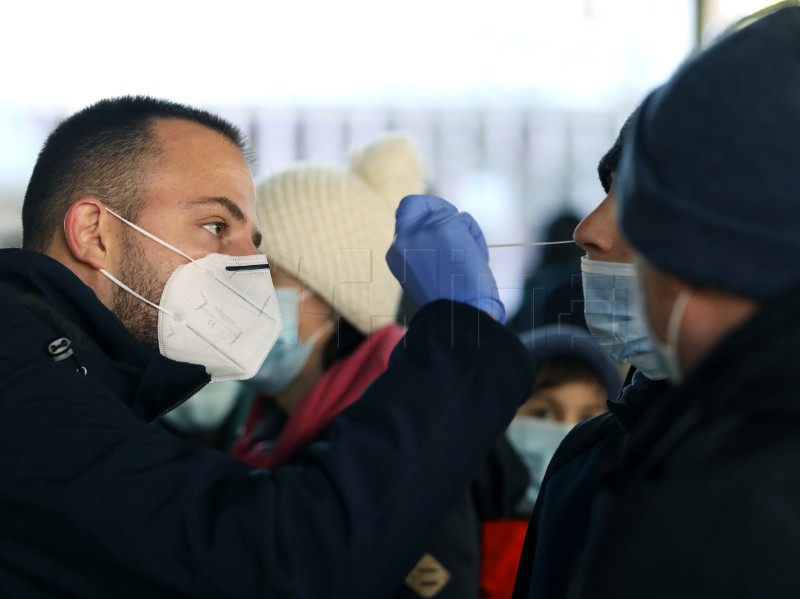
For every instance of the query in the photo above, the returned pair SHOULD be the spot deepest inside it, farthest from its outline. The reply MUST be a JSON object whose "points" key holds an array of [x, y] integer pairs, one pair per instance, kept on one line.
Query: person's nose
{"points": [[599, 236]]}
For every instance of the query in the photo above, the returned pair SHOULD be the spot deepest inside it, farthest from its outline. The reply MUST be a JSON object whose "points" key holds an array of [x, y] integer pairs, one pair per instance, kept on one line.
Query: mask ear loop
{"points": [[123, 285], [236, 292], [674, 324], [133, 293], [323, 328], [330, 323], [150, 235], [304, 295]]}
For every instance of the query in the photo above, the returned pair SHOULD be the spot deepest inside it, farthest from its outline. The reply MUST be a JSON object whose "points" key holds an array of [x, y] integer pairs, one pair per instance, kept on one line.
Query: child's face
{"points": [[568, 402]]}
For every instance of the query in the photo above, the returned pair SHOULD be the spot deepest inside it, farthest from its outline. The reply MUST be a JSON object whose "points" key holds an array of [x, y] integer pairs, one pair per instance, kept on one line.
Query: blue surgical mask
{"points": [[611, 293], [536, 441], [287, 358]]}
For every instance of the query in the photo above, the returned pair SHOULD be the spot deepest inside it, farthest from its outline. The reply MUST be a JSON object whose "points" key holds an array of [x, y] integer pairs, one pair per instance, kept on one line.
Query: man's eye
{"points": [[215, 228]]}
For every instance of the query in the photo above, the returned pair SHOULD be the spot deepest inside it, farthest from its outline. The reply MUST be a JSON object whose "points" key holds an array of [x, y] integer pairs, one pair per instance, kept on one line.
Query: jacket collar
{"points": [[637, 394], [146, 381]]}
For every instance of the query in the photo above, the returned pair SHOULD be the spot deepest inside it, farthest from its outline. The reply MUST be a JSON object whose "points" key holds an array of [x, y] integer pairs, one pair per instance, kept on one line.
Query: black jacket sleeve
{"points": [[97, 503]]}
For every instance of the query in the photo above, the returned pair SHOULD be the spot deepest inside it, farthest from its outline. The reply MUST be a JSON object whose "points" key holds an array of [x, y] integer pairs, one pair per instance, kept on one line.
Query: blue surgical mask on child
{"points": [[536, 441], [289, 354], [611, 293]]}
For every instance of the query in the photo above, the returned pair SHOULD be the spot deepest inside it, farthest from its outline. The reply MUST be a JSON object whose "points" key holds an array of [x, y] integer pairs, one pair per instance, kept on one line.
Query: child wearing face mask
{"points": [[574, 380], [573, 383]]}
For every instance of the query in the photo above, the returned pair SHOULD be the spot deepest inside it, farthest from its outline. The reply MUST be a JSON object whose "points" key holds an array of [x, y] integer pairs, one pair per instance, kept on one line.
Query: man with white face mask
{"points": [[705, 502], [139, 283], [570, 500]]}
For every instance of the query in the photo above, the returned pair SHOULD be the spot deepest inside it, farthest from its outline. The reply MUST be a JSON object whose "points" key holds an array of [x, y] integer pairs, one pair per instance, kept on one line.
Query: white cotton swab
{"points": [[527, 243]]}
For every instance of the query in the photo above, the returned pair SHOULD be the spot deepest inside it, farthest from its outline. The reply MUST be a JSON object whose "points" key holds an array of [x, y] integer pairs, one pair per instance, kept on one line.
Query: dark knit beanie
{"points": [[708, 186], [609, 163]]}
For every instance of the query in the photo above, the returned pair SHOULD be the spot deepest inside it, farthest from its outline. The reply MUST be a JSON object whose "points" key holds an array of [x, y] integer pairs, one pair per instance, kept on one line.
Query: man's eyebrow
{"points": [[231, 207]]}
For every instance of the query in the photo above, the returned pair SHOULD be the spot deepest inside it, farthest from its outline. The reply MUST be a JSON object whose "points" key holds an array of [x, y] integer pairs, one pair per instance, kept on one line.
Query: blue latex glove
{"points": [[440, 253]]}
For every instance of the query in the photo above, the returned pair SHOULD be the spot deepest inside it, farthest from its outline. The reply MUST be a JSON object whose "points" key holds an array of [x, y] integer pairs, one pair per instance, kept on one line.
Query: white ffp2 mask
{"points": [[219, 311], [289, 354]]}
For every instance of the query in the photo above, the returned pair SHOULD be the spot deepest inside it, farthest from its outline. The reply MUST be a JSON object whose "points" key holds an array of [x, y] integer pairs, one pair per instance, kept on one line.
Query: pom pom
{"points": [[391, 166]]}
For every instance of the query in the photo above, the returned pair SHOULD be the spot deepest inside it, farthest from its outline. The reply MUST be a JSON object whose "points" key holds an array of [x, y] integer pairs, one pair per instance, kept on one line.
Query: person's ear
{"points": [[89, 230]]}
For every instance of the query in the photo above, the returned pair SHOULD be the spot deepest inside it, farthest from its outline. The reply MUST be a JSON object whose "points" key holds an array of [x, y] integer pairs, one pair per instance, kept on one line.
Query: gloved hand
{"points": [[440, 253]]}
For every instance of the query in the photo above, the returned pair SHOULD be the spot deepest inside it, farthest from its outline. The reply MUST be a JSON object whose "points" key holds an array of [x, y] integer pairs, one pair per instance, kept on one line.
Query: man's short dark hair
{"points": [[610, 161], [103, 150]]}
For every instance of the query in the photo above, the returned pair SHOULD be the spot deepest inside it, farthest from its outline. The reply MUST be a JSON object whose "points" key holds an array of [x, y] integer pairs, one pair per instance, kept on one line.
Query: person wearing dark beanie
{"points": [[571, 496], [713, 165], [705, 501]]}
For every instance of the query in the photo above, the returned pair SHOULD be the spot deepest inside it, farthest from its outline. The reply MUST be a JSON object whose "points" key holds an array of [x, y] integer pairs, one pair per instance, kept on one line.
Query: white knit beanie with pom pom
{"points": [[330, 227]]}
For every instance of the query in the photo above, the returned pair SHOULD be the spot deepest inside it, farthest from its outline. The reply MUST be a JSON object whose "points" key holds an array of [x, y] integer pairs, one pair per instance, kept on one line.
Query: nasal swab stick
{"points": [[527, 243]]}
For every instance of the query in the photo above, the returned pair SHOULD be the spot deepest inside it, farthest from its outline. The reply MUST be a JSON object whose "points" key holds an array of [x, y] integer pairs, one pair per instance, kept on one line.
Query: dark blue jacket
{"points": [[706, 502], [572, 496], [96, 502]]}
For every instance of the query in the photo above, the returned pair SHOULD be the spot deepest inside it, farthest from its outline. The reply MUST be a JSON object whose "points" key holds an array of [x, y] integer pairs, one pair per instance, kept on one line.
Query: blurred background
{"points": [[512, 103]]}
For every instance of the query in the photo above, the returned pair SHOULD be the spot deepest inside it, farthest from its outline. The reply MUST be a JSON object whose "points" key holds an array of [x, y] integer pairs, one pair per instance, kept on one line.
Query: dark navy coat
{"points": [[97, 502], [706, 502], [572, 498]]}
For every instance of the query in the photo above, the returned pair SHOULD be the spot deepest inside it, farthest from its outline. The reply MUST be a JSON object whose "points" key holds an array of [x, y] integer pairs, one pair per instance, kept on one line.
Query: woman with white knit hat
{"points": [[326, 232]]}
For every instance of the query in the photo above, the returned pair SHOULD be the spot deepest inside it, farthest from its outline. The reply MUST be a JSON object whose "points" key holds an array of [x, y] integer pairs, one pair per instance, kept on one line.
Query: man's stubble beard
{"points": [[141, 275]]}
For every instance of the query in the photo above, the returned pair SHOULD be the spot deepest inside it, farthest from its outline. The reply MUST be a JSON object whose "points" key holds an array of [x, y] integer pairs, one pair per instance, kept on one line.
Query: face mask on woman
{"points": [[289, 355]]}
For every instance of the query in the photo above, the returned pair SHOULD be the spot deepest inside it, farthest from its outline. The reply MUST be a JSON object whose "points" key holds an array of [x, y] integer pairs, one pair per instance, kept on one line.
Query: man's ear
{"points": [[90, 232]]}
